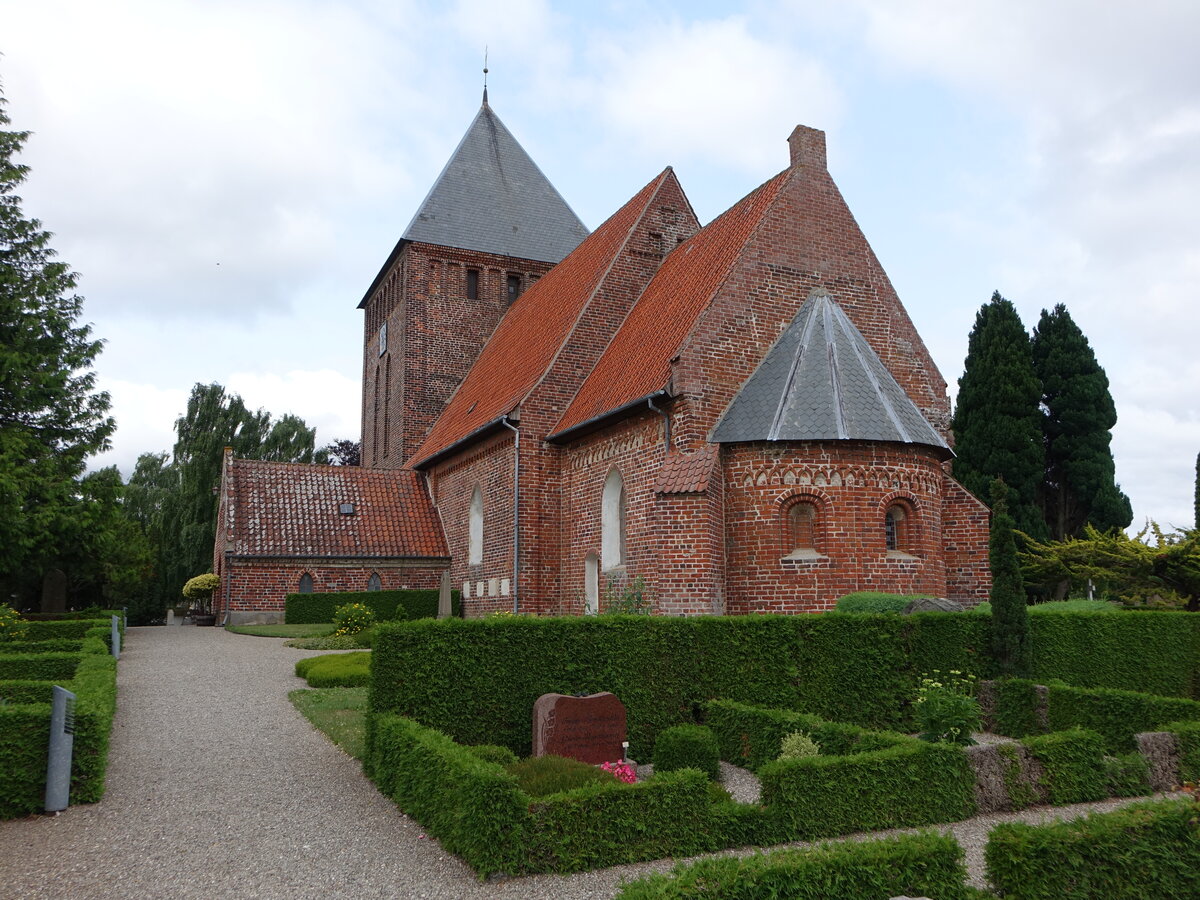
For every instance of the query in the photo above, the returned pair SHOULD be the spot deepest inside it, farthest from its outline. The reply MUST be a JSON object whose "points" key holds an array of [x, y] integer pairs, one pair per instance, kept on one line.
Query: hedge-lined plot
{"points": [[318, 608]]}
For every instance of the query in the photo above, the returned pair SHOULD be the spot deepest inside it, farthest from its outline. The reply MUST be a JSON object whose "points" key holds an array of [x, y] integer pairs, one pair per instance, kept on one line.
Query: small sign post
{"points": [[62, 743]]}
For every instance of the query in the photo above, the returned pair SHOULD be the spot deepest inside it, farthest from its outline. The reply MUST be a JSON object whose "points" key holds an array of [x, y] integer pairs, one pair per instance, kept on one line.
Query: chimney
{"points": [[808, 147]]}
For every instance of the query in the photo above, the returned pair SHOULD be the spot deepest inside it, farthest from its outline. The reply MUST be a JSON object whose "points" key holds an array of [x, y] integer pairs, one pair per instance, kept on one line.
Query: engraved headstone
{"points": [[444, 608], [590, 729]]}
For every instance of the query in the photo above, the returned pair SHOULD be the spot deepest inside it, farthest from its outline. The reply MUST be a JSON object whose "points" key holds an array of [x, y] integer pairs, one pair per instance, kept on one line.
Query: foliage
{"points": [[688, 747], [1115, 715], [1187, 742], [337, 712], [282, 631], [875, 602], [364, 640], [1073, 762], [1127, 775], [627, 598], [352, 618], [997, 422], [798, 745], [51, 416], [947, 709], [336, 670], [1166, 572], [541, 776], [320, 607], [1011, 644], [343, 453], [12, 626], [1078, 415], [201, 587], [1197, 496], [501, 756], [927, 864], [1054, 607], [1145, 850]]}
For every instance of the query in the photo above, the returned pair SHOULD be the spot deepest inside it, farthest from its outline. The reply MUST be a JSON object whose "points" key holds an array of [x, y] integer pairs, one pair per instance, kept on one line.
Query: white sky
{"points": [[228, 176]]}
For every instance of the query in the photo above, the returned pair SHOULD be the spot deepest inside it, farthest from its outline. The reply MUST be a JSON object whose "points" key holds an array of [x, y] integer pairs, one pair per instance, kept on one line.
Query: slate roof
{"points": [[493, 198], [637, 362], [686, 473], [822, 381], [533, 331], [290, 509]]}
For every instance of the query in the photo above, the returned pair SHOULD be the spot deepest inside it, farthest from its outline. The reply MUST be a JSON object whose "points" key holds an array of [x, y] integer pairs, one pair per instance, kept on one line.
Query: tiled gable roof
{"points": [[533, 331], [823, 381], [493, 198], [290, 509], [637, 363], [686, 473]]}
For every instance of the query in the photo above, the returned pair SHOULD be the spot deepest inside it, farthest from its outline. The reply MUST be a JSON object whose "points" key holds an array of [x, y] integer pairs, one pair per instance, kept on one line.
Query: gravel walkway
{"points": [[217, 787]]}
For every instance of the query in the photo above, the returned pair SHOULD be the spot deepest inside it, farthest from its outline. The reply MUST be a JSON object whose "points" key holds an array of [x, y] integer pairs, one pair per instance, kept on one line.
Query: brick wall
{"points": [[965, 527]]}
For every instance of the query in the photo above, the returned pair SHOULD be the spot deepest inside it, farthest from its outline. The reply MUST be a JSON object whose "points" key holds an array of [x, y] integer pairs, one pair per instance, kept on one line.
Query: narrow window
{"points": [[895, 528], [591, 585], [802, 527], [374, 583], [472, 284], [306, 583], [514, 287], [612, 521], [383, 339], [475, 529]]}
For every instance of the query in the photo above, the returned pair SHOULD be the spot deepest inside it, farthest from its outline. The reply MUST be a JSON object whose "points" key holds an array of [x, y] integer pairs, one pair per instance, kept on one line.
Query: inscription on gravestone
{"points": [[590, 729]]}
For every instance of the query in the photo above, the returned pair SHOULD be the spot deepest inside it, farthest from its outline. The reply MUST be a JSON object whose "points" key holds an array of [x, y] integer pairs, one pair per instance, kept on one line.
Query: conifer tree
{"points": [[1011, 647], [1197, 501], [1078, 414], [997, 425]]}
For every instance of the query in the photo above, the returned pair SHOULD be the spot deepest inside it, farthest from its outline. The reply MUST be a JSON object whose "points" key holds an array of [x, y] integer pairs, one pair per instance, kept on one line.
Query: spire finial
{"points": [[485, 51]]}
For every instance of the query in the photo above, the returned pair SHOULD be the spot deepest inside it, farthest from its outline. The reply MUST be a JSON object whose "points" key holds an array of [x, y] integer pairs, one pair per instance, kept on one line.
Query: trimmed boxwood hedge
{"points": [[318, 608], [1074, 765], [918, 865], [336, 669], [1146, 850], [68, 629]]}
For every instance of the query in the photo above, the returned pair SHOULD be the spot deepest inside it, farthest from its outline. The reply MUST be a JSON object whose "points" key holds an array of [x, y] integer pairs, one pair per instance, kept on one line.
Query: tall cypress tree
{"points": [[997, 424], [1077, 418], [1198, 491], [1011, 647]]}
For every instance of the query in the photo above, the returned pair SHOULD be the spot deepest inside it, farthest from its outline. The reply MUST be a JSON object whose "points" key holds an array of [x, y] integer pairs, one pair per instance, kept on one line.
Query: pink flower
{"points": [[620, 770]]}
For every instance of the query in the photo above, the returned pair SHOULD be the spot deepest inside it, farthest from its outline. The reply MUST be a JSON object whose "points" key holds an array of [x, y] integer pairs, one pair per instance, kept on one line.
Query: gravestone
{"points": [[590, 729], [54, 591], [932, 604]]}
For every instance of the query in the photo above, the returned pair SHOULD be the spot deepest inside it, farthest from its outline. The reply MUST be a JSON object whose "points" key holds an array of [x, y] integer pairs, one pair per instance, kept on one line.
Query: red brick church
{"points": [[741, 415]]}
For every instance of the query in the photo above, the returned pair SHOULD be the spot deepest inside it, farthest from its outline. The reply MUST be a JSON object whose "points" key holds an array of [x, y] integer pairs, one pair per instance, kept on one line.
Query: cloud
{"points": [[323, 398]]}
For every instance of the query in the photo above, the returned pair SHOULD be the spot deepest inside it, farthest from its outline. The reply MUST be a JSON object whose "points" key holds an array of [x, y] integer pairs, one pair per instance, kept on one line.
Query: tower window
{"points": [[472, 284], [383, 339], [514, 287]]}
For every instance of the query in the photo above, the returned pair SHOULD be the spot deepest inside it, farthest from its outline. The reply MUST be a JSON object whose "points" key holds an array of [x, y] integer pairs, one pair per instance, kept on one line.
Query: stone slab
{"points": [[590, 729]]}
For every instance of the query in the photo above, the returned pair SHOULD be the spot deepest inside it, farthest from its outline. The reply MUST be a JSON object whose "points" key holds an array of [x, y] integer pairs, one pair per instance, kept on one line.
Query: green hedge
{"points": [[1144, 851], [316, 608], [19, 692], [875, 602], [336, 669], [687, 747], [25, 728], [1187, 742], [1074, 765], [917, 865], [51, 645], [67, 629], [59, 667]]}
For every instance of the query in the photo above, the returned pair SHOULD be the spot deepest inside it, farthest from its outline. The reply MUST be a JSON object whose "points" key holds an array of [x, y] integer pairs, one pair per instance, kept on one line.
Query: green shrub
{"points": [[1116, 715], [54, 645], [364, 640], [25, 692], [12, 626], [68, 629], [1187, 742], [308, 609], [946, 708], [1073, 606], [501, 756], [1016, 708], [798, 745], [688, 747], [1074, 765], [352, 618], [336, 670], [875, 602], [918, 865], [59, 667], [540, 776], [1127, 775], [1147, 850]]}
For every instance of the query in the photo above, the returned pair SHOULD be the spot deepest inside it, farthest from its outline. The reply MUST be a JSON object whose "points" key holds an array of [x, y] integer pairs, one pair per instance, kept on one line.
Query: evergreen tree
{"points": [[51, 416], [997, 425], [1197, 500], [1078, 414], [1011, 647]]}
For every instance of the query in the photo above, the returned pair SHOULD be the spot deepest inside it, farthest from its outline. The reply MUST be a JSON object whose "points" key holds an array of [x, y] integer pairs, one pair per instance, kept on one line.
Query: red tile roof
{"points": [[291, 509], [637, 363], [532, 332], [686, 473]]}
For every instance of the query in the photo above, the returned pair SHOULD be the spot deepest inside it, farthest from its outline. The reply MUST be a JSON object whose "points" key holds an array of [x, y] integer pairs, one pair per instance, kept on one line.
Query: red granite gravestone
{"points": [[590, 729]]}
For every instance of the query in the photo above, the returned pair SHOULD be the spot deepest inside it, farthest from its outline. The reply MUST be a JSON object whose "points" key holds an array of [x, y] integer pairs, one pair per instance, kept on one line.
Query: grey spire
{"points": [[822, 381], [493, 198]]}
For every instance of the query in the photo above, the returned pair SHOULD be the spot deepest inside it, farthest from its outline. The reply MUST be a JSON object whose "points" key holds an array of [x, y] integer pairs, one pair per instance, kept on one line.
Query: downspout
{"points": [[516, 512], [666, 423]]}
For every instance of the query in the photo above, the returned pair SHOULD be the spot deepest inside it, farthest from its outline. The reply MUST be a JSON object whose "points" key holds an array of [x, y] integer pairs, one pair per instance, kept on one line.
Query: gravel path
{"points": [[217, 787]]}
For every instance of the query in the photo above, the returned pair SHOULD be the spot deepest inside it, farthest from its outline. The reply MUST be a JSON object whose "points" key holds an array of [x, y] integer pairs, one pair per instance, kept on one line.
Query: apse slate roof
{"points": [[637, 363], [822, 381], [493, 198], [686, 473], [289, 509], [532, 332]]}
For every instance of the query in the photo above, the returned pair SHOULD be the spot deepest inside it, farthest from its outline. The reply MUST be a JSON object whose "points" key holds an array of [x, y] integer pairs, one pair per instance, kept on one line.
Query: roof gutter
{"points": [[450, 449], [561, 437]]}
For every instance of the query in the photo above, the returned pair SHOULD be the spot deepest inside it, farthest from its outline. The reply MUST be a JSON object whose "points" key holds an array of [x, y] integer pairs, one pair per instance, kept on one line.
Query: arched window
{"points": [[802, 527], [897, 528], [374, 583], [306, 583], [612, 521], [475, 529]]}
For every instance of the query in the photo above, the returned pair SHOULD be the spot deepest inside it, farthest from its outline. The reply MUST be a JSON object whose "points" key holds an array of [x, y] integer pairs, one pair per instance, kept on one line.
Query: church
{"points": [[736, 418]]}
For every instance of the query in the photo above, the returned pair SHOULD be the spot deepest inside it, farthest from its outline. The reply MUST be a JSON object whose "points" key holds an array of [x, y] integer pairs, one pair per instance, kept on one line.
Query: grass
{"points": [[282, 631], [339, 713]]}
